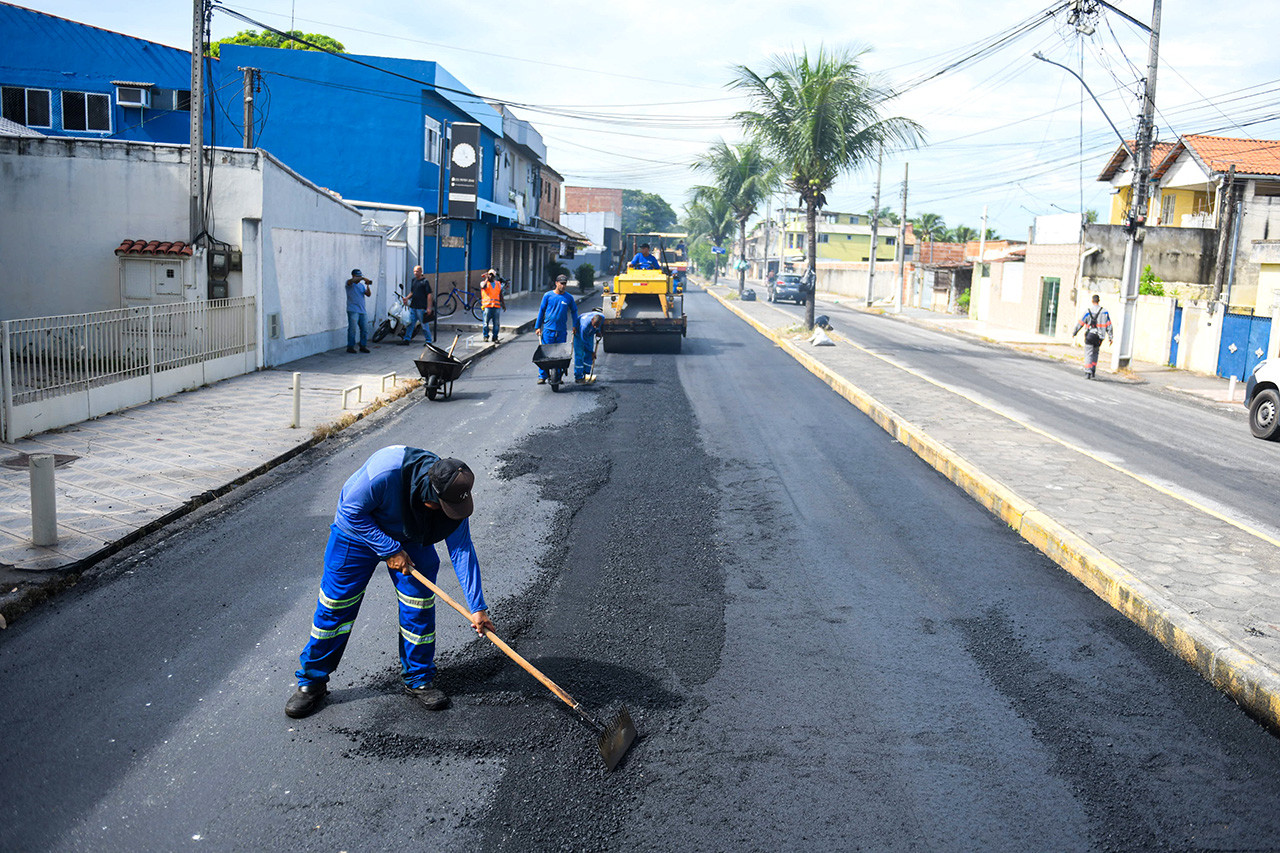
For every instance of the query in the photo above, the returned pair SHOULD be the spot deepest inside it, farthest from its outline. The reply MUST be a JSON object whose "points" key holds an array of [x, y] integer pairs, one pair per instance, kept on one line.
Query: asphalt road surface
{"points": [[824, 645], [1200, 449]]}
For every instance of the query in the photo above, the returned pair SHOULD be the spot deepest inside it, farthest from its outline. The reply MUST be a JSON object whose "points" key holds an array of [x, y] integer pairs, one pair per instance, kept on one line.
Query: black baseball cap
{"points": [[562, 278], [452, 481]]}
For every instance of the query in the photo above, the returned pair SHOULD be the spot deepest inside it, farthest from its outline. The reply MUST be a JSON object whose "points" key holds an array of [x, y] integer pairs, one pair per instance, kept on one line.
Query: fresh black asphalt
{"points": [[823, 643]]}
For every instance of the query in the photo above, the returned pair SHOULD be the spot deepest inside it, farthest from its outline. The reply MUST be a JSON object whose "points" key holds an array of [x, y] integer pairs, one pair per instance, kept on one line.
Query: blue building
{"points": [[372, 134], [63, 78]]}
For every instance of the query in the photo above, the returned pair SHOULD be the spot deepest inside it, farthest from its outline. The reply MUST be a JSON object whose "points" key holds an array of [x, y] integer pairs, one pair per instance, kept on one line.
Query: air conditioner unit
{"points": [[133, 96]]}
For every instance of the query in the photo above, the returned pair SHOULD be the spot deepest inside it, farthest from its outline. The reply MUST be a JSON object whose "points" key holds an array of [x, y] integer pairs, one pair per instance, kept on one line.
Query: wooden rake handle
{"points": [[507, 650]]}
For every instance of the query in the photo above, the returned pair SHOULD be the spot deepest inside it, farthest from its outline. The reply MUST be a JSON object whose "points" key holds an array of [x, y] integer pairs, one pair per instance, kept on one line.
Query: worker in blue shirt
{"points": [[557, 316], [584, 345], [644, 259], [394, 509]]}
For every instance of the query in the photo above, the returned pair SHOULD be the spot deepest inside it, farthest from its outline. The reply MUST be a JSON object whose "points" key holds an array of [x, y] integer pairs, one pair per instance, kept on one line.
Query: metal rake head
{"points": [[616, 738]]}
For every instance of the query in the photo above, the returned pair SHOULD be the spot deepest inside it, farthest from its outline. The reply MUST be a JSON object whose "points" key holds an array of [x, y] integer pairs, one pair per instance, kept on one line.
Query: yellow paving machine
{"points": [[644, 308]]}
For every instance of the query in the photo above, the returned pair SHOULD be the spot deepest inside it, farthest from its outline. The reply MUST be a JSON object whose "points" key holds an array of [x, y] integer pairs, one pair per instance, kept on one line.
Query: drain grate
{"points": [[22, 460]]}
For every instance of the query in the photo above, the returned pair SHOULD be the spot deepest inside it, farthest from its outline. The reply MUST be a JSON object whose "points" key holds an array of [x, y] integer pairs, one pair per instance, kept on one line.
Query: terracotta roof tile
{"points": [[1220, 153], [172, 249], [1159, 151]]}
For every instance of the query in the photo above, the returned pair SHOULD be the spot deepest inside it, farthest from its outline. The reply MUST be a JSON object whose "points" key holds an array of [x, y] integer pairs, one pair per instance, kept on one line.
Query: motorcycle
{"points": [[397, 322]]}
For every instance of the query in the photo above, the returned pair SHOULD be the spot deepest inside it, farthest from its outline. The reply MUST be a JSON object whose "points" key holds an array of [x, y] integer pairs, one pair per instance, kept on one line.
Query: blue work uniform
{"points": [[557, 314], [356, 325], [584, 345], [367, 528], [640, 262]]}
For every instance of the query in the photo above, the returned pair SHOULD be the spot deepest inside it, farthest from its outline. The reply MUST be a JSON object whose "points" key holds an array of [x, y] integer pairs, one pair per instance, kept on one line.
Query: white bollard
{"points": [[1231, 390], [44, 505], [297, 401]]}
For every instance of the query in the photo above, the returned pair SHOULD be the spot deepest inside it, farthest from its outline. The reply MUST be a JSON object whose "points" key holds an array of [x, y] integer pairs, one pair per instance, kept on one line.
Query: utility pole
{"points": [[250, 84], [1136, 222], [768, 223], [902, 246], [982, 257], [875, 231], [196, 145]]}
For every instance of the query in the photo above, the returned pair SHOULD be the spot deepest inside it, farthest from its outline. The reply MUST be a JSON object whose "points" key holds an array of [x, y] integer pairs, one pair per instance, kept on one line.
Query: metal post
{"points": [[44, 507], [297, 401], [196, 146], [875, 232], [982, 259], [902, 245], [440, 221], [1138, 210], [250, 80], [6, 382]]}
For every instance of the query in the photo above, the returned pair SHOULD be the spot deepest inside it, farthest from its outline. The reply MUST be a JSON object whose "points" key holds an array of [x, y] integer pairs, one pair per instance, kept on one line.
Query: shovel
{"points": [[595, 352], [614, 739], [454, 344]]}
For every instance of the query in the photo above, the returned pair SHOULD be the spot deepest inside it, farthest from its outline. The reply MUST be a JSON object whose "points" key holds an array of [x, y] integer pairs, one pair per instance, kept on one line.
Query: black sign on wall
{"points": [[464, 171]]}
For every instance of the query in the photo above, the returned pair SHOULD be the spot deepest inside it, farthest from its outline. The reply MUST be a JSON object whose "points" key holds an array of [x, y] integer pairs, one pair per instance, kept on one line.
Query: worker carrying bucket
{"points": [[394, 509]]}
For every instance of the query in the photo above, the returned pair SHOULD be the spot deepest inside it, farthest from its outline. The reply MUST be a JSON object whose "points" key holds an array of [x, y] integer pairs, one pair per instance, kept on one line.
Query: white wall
{"points": [[68, 203]]}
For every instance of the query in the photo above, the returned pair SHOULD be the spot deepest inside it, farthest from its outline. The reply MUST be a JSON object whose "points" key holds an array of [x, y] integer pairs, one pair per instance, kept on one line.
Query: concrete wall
{"points": [[592, 200], [299, 243], [851, 282], [1177, 255]]}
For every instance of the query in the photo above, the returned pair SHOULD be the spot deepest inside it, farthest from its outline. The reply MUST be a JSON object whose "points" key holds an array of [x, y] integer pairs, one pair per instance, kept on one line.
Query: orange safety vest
{"points": [[491, 295]]}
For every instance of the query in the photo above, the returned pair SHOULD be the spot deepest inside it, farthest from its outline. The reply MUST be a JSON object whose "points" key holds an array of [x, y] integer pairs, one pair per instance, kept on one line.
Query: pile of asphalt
{"points": [[629, 573]]}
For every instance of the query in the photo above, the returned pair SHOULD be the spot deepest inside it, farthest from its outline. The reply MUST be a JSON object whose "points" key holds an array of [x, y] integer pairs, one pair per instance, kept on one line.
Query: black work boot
{"points": [[431, 697], [305, 700]]}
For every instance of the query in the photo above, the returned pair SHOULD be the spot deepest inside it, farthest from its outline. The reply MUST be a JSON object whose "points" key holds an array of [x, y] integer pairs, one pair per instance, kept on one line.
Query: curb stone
{"points": [[1251, 684]]}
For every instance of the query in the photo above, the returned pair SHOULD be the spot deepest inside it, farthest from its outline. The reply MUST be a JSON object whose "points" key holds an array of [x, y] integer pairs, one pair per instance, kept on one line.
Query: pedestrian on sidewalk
{"points": [[557, 317], [400, 503], [421, 307], [584, 345], [1096, 322], [492, 301], [357, 289]]}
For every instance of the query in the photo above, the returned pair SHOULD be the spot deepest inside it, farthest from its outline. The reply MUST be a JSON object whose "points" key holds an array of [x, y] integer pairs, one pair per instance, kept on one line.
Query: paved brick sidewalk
{"points": [[125, 473], [1205, 586]]}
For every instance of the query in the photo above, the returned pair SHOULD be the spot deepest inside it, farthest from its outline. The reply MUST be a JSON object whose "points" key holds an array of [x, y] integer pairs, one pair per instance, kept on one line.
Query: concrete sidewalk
{"points": [[1203, 584], [126, 474]]}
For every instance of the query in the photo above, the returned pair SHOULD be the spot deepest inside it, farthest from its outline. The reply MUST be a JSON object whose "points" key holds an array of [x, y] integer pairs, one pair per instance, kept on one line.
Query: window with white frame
{"points": [[87, 111], [430, 140], [28, 107], [1166, 208], [178, 100]]}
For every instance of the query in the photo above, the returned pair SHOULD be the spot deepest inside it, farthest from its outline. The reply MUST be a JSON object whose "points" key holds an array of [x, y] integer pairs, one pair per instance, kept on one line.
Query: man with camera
{"points": [[492, 302]]}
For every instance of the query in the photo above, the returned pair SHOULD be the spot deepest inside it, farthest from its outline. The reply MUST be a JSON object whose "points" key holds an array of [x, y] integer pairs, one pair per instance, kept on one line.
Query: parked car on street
{"points": [[1262, 397], [786, 286]]}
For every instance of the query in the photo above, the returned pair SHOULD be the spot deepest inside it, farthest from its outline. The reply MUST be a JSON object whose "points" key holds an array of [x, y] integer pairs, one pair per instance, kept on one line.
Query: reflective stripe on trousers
{"points": [[348, 566]]}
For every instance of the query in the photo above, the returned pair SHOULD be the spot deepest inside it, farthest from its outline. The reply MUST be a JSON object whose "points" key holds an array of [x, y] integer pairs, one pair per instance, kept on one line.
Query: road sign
{"points": [[717, 250]]}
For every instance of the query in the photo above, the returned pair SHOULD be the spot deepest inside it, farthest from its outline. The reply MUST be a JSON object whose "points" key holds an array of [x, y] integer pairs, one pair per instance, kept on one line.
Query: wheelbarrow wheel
{"points": [[556, 376], [433, 386]]}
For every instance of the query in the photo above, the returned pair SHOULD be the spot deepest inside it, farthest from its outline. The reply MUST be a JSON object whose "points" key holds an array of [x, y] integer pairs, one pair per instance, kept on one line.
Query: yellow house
{"points": [[842, 237]]}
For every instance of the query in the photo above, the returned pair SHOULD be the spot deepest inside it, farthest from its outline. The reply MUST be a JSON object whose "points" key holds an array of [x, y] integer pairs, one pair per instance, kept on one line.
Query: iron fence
{"points": [[46, 357]]}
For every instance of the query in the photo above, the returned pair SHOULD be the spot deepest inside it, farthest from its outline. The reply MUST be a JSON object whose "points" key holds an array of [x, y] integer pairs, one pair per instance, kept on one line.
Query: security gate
{"points": [[1244, 342], [1049, 304]]}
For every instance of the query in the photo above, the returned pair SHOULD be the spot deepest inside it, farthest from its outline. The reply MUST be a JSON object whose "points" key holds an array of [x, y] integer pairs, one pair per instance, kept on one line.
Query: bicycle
{"points": [[469, 300]]}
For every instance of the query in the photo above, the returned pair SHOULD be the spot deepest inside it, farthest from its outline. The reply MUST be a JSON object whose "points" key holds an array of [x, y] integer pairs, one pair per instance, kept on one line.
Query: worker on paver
{"points": [[584, 345], [644, 259], [557, 316], [395, 508], [491, 302], [1096, 322]]}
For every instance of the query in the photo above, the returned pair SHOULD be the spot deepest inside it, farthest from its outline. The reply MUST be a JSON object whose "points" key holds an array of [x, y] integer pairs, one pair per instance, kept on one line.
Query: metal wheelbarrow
{"points": [[555, 360], [439, 369]]}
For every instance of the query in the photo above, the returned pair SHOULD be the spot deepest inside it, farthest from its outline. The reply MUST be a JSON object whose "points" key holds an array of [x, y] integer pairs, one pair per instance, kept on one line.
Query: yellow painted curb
{"points": [[1251, 683]]}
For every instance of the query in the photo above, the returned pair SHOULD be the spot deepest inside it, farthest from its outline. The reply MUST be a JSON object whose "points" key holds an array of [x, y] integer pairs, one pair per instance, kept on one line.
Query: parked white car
{"points": [[1262, 396]]}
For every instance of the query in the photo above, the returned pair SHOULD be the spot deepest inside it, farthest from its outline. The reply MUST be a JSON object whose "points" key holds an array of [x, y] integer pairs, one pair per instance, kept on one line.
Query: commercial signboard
{"points": [[464, 170]]}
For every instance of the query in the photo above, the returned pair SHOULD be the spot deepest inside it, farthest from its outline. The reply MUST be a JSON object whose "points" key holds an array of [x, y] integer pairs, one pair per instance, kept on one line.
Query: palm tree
{"points": [[929, 226], [745, 177], [886, 213], [709, 221], [962, 234], [820, 118]]}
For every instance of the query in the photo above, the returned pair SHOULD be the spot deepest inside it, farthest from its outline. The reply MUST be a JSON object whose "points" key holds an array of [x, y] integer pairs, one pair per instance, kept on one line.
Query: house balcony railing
{"points": [[55, 371]]}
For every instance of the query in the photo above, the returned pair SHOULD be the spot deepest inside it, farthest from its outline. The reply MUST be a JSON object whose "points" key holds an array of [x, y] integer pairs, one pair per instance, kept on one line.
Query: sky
{"points": [[627, 95]]}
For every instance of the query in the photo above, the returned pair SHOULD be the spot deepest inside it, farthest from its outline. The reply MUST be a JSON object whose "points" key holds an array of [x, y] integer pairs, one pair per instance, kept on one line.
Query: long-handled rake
{"points": [[614, 738]]}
